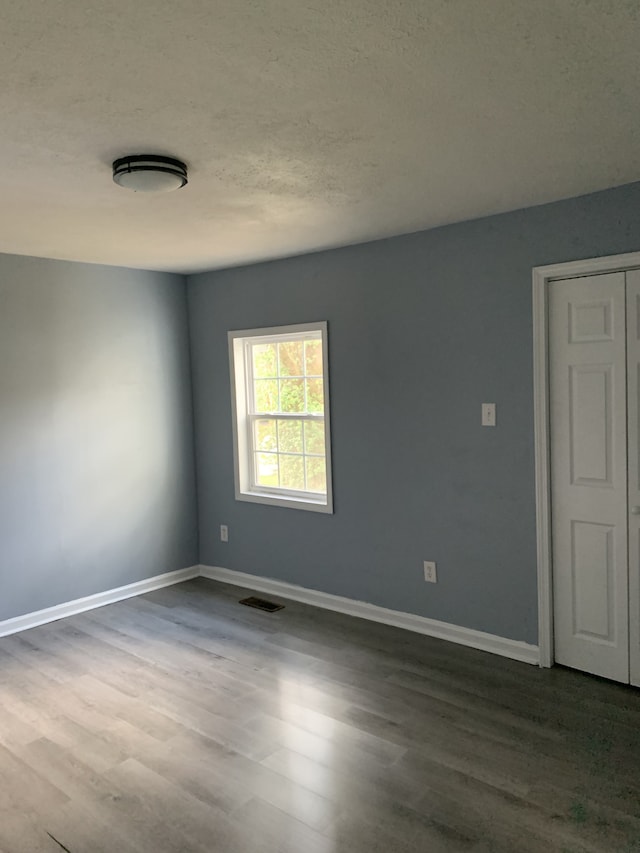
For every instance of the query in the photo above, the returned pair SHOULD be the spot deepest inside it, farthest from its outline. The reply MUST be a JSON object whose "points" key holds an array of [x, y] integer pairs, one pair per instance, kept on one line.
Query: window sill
{"points": [[321, 505]]}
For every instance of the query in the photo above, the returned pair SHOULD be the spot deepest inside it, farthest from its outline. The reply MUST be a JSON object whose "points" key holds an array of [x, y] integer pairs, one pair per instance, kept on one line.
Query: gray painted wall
{"points": [[96, 456], [422, 330]]}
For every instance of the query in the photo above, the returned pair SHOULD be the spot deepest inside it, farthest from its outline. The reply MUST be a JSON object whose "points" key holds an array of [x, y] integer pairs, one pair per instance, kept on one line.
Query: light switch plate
{"points": [[488, 414]]}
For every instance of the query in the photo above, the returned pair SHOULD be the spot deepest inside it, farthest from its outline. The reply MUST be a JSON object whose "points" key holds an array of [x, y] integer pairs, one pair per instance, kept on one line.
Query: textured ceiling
{"points": [[305, 124]]}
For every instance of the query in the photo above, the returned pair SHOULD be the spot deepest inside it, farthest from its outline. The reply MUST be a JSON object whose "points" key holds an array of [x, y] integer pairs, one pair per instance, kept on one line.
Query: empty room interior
{"points": [[320, 426]]}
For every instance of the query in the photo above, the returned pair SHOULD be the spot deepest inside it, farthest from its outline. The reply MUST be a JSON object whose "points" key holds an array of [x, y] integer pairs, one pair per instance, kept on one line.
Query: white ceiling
{"points": [[305, 123]]}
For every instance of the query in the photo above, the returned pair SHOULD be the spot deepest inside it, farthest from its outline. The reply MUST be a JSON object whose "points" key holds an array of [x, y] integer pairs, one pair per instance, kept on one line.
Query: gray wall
{"points": [[422, 330], [96, 457]]}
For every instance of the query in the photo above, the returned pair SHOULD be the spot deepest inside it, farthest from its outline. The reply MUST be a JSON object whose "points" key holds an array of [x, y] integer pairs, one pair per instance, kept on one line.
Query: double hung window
{"points": [[281, 416]]}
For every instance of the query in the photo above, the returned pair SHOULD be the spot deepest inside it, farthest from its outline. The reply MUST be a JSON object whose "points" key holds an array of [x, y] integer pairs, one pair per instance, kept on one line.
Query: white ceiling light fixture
{"points": [[150, 173]]}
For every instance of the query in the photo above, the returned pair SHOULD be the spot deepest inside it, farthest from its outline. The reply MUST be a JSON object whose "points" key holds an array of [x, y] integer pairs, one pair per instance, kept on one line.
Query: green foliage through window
{"points": [[287, 379]]}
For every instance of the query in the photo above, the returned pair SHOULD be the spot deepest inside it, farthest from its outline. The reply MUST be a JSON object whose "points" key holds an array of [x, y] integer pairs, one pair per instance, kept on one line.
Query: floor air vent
{"points": [[262, 604]]}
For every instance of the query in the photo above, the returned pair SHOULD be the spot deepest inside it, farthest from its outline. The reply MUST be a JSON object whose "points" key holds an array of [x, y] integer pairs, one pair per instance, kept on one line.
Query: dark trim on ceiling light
{"points": [[149, 163]]}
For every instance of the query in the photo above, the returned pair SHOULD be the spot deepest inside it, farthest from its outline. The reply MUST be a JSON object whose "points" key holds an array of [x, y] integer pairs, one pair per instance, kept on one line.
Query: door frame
{"points": [[543, 278]]}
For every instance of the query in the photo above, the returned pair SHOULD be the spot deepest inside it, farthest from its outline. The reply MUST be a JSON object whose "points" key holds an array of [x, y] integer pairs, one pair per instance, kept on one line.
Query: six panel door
{"points": [[633, 406], [588, 419]]}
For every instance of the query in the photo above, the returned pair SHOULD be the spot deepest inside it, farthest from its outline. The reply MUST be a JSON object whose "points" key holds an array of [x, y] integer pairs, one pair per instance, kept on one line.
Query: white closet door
{"points": [[633, 398], [589, 473]]}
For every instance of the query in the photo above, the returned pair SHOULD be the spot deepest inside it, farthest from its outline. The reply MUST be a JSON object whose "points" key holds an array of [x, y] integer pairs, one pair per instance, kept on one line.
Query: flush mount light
{"points": [[149, 173]]}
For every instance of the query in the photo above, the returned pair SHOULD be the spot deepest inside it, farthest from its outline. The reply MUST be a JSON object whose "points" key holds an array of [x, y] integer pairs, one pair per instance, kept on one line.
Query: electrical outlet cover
{"points": [[430, 573]]}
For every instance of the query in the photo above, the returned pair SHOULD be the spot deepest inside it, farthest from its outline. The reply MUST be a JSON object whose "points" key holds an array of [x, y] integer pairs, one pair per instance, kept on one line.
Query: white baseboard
{"points": [[90, 602], [514, 649], [420, 624]]}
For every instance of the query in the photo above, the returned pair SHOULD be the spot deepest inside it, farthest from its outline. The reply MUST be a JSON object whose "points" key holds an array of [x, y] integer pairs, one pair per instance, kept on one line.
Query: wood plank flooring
{"points": [[182, 721]]}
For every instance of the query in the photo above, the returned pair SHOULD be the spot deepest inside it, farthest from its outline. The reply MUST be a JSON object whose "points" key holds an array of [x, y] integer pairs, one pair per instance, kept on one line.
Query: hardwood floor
{"points": [[182, 721]]}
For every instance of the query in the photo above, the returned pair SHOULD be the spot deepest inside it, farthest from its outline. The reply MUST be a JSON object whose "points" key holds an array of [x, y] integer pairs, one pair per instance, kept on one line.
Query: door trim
{"points": [[543, 278]]}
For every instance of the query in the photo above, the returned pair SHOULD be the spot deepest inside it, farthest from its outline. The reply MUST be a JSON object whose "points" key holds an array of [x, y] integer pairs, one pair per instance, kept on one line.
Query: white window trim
{"points": [[241, 420]]}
